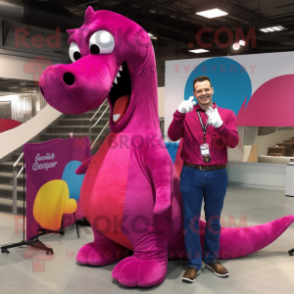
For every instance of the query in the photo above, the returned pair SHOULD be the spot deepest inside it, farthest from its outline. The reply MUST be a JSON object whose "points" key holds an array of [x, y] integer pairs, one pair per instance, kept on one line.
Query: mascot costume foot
{"points": [[131, 193]]}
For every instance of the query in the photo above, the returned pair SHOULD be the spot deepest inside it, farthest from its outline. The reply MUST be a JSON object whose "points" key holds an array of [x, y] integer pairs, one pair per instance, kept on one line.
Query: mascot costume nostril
{"points": [[131, 193]]}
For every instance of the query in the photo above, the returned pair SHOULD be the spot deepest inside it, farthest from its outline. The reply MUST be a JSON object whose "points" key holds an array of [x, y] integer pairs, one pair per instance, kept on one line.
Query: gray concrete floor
{"points": [[270, 270]]}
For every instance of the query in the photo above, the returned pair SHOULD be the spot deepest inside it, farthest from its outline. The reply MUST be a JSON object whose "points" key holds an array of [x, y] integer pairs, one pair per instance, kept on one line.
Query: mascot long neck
{"points": [[144, 97]]}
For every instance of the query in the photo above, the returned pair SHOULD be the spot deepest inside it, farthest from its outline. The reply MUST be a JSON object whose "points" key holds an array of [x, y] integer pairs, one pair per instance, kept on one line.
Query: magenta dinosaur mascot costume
{"points": [[131, 193]]}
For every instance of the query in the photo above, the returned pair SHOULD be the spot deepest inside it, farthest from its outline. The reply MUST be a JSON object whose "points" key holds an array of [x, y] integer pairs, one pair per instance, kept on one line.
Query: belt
{"points": [[205, 167]]}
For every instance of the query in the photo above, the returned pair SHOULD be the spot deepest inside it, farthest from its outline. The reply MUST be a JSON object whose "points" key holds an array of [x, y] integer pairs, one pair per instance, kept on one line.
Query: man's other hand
{"points": [[214, 118]]}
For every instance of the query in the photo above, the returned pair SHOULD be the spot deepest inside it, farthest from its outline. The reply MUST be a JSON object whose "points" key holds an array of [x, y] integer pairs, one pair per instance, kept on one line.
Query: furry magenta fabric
{"points": [[130, 193]]}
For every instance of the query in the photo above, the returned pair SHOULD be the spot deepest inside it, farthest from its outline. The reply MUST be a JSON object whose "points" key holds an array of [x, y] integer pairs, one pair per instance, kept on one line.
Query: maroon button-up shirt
{"points": [[188, 127]]}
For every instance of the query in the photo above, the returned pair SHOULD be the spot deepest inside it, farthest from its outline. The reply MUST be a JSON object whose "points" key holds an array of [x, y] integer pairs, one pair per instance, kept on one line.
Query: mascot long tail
{"points": [[242, 241]]}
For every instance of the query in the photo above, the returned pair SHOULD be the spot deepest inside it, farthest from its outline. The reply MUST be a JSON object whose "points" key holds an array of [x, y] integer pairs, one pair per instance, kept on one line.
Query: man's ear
{"points": [[212, 90]]}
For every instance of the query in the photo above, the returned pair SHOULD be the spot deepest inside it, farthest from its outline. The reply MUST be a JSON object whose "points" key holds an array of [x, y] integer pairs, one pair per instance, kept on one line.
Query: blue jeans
{"points": [[195, 185]]}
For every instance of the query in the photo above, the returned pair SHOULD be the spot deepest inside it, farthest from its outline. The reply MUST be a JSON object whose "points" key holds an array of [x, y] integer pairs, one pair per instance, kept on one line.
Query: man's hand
{"points": [[214, 118], [187, 105]]}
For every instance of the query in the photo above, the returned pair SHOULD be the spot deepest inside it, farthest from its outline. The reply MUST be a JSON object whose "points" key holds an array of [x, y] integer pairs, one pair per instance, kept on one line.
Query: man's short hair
{"points": [[201, 79]]}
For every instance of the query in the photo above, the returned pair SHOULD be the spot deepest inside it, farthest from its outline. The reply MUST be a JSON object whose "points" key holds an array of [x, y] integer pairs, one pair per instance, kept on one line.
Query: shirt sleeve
{"points": [[176, 128], [228, 131]]}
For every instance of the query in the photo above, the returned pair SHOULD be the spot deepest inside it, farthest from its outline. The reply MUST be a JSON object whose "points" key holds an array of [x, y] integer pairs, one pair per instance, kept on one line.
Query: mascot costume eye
{"points": [[131, 194]]}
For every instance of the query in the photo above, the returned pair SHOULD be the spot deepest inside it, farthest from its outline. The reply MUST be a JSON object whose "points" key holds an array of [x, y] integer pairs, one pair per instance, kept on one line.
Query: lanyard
{"points": [[204, 128]]}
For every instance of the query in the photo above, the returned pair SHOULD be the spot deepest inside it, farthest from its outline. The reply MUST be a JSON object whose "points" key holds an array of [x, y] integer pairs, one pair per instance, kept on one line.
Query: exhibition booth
{"points": [[128, 189], [258, 89]]}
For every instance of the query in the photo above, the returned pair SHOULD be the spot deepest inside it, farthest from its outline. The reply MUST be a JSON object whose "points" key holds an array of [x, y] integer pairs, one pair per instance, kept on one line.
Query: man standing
{"points": [[206, 130]]}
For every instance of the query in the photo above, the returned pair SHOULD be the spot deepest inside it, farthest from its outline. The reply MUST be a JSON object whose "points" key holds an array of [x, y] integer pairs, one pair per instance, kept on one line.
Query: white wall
{"points": [[258, 174], [236, 154], [160, 91], [266, 175], [13, 67]]}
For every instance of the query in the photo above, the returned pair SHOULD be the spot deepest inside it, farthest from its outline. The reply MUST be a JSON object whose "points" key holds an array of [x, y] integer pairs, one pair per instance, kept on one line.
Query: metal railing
{"points": [[92, 126], [106, 125], [16, 175]]}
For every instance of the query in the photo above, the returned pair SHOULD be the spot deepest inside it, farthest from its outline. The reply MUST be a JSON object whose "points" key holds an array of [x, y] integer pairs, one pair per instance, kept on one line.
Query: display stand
{"points": [[83, 222], [34, 242], [61, 230], [289, 180], [48, 231], [77, 228], [290, 188]]}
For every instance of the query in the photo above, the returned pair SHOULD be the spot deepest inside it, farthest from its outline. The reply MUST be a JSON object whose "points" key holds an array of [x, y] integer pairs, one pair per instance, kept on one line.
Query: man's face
{"points": [[203, 93]]}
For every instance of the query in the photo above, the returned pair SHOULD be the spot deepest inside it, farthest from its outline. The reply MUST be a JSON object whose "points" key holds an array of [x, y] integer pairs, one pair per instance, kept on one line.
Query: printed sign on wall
{"points": [[258, 88], [52, 187]]}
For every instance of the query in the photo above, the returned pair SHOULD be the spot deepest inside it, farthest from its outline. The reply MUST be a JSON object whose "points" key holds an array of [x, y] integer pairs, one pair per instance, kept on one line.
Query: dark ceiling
{"points": [[175, 23]]}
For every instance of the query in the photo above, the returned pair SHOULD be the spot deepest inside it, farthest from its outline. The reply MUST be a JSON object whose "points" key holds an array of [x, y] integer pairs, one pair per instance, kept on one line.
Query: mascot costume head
{"points": [[131, 193]]}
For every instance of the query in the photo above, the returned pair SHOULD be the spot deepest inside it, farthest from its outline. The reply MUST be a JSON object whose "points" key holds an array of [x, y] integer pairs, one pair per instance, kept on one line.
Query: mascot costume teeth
{"points": [[131, 194]]}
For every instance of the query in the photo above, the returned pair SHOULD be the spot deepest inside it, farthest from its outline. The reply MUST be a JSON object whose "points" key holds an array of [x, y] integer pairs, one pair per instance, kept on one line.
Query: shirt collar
{"points": [[198, 107]]}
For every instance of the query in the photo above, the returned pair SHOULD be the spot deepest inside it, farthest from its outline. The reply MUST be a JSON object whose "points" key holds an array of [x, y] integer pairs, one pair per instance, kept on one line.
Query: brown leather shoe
{"points": [[218, 269], [190, 274]]}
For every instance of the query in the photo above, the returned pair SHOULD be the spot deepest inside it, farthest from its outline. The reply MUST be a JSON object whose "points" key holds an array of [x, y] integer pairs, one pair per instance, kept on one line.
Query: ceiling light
{"points": [[236, 46], [212, 13], [242, 42], [198, 51], [278, 28], [272, 29]]}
